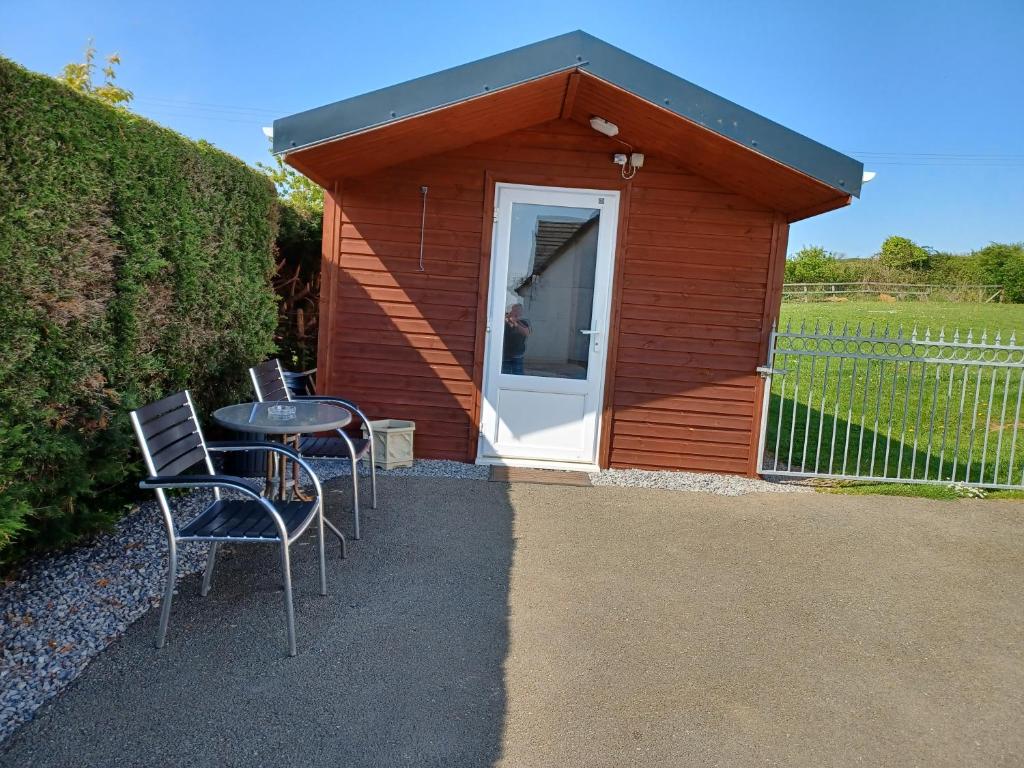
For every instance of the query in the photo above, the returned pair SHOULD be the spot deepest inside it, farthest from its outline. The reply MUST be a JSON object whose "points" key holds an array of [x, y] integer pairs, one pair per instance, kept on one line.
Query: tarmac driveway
{"points": [[481, 624]]}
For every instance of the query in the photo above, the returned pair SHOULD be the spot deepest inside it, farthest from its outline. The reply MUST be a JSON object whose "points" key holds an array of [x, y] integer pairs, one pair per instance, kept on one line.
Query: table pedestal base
{"points": [[277, 485]]}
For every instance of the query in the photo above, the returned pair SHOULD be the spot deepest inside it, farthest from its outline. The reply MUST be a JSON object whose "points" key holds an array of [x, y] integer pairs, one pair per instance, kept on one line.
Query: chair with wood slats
{"points": [[177, 456], [300, 383], [273, 382]]}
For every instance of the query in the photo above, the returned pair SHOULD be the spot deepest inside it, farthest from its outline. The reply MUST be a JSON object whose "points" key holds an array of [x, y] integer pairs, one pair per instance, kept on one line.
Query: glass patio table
{"points": [[285, 419]]}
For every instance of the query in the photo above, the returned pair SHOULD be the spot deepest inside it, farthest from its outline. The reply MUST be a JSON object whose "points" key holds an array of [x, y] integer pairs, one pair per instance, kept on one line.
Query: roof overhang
{"points": [[572, 76]]}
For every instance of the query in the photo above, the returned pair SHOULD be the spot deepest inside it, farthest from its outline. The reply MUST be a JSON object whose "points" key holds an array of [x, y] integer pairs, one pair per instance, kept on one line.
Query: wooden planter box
{"points": [[393, 442]]}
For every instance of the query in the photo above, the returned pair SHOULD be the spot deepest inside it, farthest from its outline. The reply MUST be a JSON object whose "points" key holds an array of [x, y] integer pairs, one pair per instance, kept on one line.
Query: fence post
{"points": [[765, 372]]}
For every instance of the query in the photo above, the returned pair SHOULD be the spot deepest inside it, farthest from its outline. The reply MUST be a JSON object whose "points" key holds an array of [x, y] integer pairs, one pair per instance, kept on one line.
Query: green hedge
{"points": [[134, 263], [995, 264]]}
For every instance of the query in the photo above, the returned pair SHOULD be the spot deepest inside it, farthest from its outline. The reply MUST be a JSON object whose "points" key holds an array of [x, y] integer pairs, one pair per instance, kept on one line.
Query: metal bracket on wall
{"points": [[423, 223]]}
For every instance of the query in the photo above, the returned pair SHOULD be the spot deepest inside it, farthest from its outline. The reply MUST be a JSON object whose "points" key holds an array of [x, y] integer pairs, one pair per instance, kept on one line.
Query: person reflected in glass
{"points": [[517, 329]]}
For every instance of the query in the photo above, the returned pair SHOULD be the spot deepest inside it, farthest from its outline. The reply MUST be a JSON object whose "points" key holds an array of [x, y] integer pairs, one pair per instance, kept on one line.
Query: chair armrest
{"points": [[266, 445], [200, 481], [328, 399], [348, 404], [351, 407], [355, 409], [254, 445], [218, 481]]}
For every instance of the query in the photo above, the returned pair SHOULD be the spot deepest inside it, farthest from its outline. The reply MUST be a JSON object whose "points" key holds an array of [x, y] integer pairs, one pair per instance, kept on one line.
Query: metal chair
{"points": [[172, 443], [271, 382], [300, 383]]}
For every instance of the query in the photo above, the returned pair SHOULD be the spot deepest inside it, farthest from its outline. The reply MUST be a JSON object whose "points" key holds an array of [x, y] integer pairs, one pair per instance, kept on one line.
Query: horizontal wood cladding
{"points": [[694, 278], [660, 133], [693, 273]]}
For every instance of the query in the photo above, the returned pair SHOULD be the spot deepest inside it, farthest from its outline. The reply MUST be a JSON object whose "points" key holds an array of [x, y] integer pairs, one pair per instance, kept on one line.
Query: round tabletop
{"points": [[309, 416]]}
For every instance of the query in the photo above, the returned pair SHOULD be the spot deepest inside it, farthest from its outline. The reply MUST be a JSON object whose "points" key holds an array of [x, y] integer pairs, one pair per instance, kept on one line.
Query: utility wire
{"points": [[945, 159], [941, 155], [199, 116], [207, 106]]}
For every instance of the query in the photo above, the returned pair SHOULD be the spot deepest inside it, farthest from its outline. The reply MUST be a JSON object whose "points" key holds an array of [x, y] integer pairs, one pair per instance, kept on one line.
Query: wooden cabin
{"points": [[560, 256]]}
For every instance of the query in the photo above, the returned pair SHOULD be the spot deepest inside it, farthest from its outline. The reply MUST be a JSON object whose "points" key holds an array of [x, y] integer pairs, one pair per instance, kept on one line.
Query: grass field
{"points": [[900, 418], [923, 314]]}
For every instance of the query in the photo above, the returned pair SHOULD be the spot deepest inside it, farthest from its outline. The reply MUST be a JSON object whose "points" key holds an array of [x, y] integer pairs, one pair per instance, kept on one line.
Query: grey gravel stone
{"points": [[703, 482], [63, 609], [457, 470]]}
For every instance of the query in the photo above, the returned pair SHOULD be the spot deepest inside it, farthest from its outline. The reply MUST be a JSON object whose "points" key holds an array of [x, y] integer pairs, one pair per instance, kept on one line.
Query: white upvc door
{"points": [[547, 326]]}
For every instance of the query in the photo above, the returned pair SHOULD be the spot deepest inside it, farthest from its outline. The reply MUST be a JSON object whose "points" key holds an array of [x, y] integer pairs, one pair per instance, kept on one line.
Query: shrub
{"points": [[1003, 263], [298, 285], [135, 263], [902, 253], [813, 264], [875, 271], [956, 269], [902, 262]]}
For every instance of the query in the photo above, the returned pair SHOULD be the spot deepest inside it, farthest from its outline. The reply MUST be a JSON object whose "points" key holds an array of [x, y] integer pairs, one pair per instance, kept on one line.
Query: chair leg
{"points": [[373, 473], [341, 537], [355, 495], [320, 546], [211, 559], [165, 607], [354, 462], [289, 608], [373, 480]]}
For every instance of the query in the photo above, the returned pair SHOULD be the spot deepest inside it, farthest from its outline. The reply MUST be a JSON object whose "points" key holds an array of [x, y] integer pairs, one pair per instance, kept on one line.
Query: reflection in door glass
{"points": [[550, 291]]}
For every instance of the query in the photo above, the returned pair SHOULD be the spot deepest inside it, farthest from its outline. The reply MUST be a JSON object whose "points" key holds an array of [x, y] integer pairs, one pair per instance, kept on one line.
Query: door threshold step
{"points": [[501, 474]]}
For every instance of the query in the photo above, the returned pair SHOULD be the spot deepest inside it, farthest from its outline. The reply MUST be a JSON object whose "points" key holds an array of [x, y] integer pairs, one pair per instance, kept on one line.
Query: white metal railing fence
{"points": [[913, 291], [883, 405]]}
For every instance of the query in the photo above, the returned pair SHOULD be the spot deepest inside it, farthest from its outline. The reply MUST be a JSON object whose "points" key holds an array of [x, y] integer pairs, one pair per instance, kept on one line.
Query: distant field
{"points": [[863, 416], [924, 314]]}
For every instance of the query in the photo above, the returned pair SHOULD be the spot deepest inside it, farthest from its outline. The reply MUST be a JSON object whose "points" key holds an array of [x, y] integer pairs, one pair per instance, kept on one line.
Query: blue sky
{"points": [[930, 95]]}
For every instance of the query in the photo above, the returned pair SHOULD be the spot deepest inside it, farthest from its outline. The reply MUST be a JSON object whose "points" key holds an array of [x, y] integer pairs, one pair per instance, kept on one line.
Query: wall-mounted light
{"points": [[601, 125]]}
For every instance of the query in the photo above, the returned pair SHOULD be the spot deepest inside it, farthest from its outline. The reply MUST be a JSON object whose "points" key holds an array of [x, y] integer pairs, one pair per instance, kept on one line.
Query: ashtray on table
{"points": [[281, 412]]}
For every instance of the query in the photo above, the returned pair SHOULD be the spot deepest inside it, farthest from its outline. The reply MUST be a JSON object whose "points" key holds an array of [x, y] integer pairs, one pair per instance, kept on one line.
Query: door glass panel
{"points": [[549, 294]]}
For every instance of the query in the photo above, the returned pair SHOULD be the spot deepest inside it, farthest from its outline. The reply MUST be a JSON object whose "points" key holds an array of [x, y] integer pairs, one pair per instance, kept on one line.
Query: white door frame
{"points": [[594, 384]]}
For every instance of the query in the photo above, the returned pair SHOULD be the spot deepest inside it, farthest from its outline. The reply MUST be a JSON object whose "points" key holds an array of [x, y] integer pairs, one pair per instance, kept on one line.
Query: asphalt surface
{"points": [[481, 624]]}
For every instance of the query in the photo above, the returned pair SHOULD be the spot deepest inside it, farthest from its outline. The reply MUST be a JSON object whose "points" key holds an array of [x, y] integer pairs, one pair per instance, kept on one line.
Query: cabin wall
{"points": [[693, 296]]}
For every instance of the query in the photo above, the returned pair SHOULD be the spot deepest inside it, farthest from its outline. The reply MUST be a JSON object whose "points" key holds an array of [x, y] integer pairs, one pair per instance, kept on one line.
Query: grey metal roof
{"points": [[574, 50]]}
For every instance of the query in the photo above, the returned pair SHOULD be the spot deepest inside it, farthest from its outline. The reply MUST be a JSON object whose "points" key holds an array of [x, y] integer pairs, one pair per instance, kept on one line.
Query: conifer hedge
{"points": [[133, 263]]}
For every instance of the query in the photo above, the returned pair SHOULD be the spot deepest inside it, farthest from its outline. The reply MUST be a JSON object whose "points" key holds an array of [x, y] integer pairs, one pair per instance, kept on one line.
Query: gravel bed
{"points": [[722, 485], [64, 609], [455, 470]]}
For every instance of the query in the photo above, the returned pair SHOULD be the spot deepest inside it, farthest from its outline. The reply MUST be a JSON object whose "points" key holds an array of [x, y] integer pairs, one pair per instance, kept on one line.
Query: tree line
{"points": [[901, 260]]}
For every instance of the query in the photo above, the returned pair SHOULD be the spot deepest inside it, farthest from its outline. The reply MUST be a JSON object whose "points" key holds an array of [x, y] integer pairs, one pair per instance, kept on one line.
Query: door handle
{"points": [[590, 332]]}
